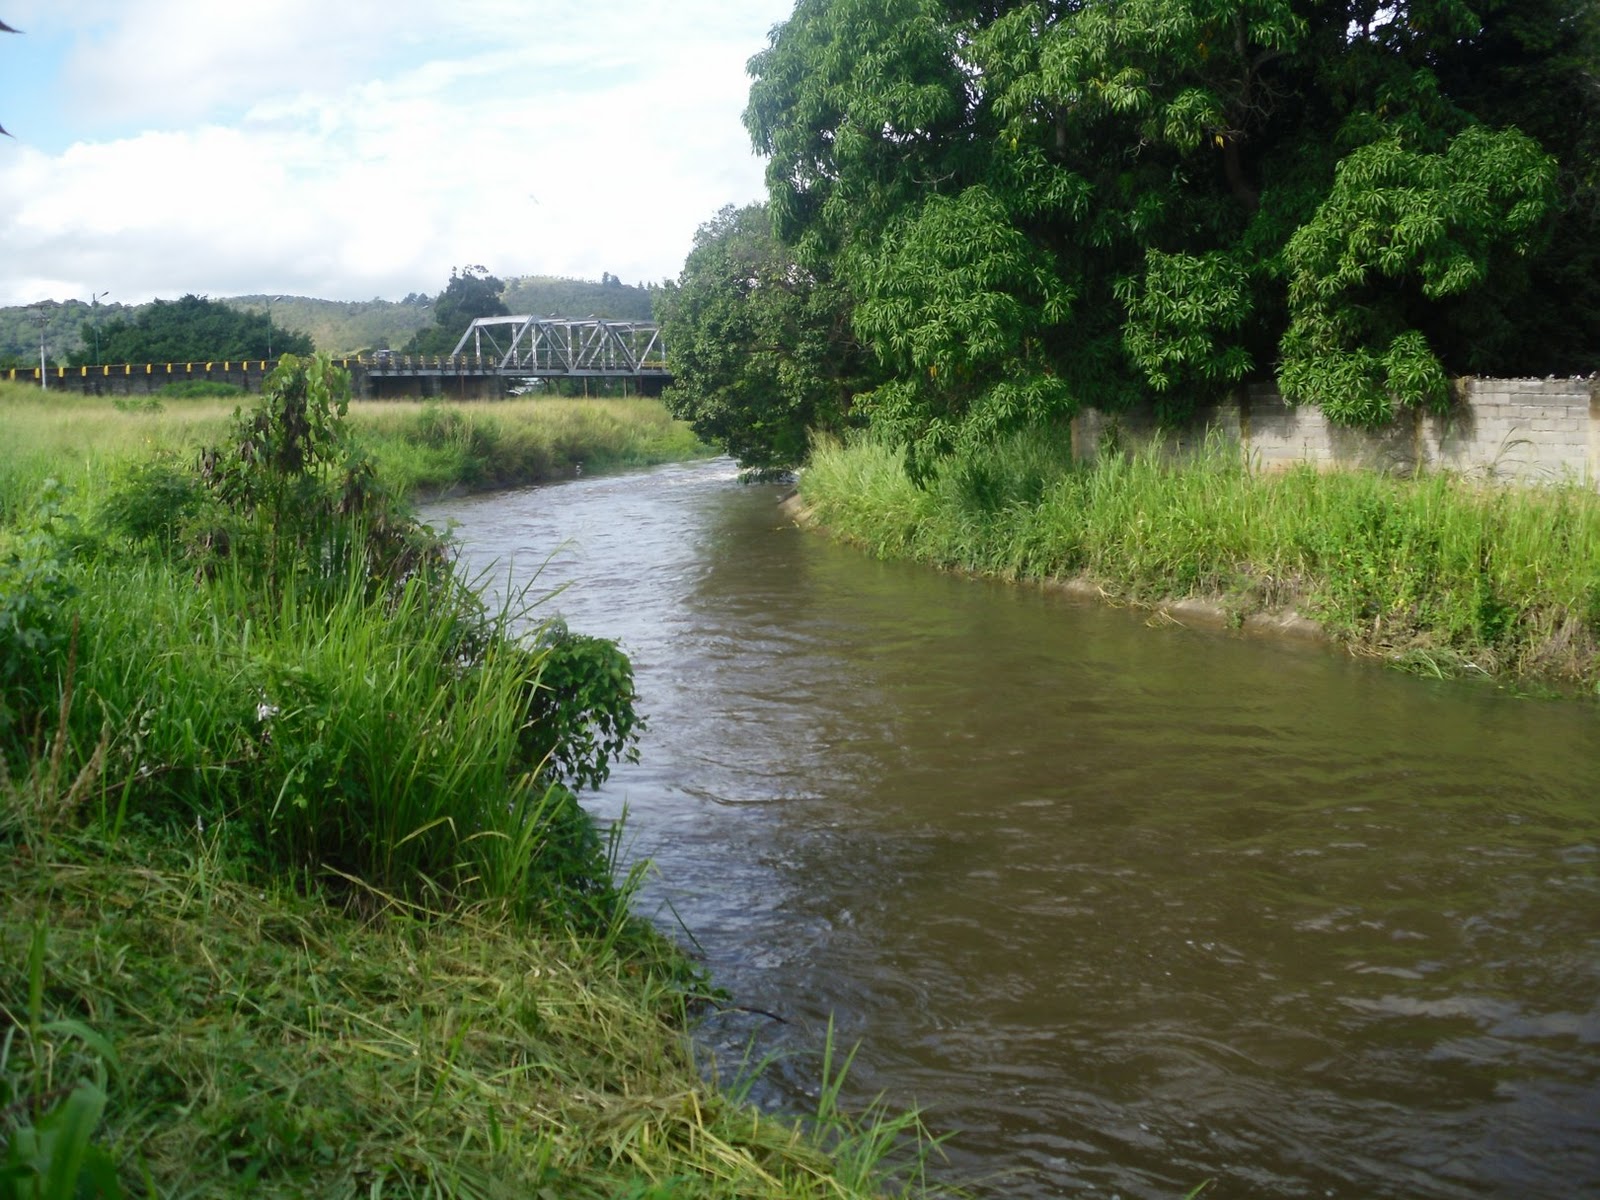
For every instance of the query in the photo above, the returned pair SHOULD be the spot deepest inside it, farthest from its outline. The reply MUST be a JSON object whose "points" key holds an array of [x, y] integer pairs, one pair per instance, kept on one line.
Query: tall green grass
{"points": [[1437, 571], [432, 447], [420, 447], [296, 895], [362, 735], [81, 439]]}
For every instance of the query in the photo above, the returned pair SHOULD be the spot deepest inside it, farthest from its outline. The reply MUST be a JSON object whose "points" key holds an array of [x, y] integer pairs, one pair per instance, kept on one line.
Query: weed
{"points": [[49, 1123]]}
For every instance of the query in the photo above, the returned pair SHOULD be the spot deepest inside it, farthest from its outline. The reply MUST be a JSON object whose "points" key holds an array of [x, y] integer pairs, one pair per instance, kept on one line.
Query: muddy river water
{"points": [[1122, 908]]}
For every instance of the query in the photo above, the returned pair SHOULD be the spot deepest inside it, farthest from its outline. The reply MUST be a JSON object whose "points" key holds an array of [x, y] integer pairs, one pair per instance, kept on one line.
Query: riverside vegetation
{"points": [[296, 896], [1438, 573], [982, 220]]}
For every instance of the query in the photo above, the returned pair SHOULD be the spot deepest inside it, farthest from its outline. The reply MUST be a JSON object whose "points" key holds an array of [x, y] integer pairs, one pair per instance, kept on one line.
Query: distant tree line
{"points": [[58, 325], [190, 329]]}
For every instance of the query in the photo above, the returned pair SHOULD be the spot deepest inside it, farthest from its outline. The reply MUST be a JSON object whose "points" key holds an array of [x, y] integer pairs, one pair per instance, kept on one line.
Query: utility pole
{"points": [[270, 302], [94, 318], [43, 319]]}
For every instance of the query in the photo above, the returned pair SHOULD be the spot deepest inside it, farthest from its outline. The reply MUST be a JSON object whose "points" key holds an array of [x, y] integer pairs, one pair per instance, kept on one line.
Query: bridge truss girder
{"points": [[560, 346]]}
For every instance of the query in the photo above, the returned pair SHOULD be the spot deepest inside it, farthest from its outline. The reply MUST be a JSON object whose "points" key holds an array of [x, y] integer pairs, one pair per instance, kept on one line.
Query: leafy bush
{"points": [[302, 495], [35, 590], [581, 714], [152, 501]]}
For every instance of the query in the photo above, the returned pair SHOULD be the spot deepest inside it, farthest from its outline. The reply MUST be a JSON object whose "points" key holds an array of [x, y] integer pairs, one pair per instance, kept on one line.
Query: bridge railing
{"points": [[557, 346], [380, 363], [125, 370]]}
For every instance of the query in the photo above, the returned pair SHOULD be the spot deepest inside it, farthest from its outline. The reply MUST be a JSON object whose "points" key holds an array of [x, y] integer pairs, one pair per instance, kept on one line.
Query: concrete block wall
{"points": [[1513, 430]]}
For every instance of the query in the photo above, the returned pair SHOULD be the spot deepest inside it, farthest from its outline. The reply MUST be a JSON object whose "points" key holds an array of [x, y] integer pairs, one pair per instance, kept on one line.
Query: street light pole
{"points": [[94, 317], [270, 302], [43, 318]]}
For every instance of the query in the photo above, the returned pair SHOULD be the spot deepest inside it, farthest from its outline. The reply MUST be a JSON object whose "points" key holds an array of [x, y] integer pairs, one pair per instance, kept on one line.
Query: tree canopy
{"points": [[1030, 206], [471, 293], [192, 329], [761, 348]]}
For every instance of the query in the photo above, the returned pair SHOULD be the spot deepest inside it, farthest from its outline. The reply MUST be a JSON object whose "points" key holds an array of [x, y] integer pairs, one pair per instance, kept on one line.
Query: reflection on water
{"points": [[1122, 908]]}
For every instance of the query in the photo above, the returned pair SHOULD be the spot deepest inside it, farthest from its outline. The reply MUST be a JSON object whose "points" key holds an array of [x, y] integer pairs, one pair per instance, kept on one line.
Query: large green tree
{"points": [[1035, 206], [192, 329], [761, 347], [471, 293]]}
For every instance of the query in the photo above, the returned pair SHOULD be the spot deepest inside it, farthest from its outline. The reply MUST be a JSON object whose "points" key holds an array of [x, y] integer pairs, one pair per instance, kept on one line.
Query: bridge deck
{"points": [[377, 365]]}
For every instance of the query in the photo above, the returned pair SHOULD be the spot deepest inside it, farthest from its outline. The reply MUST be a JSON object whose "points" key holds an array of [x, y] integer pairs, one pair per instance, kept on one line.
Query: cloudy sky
{"points": [[356, 148]]}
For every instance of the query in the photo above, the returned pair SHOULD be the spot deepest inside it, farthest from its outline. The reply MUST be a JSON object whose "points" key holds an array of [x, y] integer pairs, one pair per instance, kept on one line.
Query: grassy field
{"points": [[421, 447], [1440, 574], [297, 897]]}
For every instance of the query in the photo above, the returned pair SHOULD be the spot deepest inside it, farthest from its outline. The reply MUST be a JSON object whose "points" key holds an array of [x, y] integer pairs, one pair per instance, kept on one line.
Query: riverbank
{"points": [[296, 896], [225, 1036], [427, 450], [1434, 574]]}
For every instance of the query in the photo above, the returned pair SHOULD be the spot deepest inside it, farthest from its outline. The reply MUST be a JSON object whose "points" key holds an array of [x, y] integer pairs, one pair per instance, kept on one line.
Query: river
{"points": [[1122, 907]]}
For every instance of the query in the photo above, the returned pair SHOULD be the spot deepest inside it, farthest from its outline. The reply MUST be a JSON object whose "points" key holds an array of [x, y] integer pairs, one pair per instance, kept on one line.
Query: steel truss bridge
{"points": [[491, 355], [564, 348]]}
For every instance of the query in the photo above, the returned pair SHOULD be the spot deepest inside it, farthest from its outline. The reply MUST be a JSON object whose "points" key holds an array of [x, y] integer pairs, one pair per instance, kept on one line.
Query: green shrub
{"points": [[152, 501], [35, 591], [582, 716], [300, 495]]}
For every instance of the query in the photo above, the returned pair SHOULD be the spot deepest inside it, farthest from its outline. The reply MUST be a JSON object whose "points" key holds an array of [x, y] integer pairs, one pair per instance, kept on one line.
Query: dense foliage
{"points": [[263, 640], [193, 329], [1033, 206], [471, 293], [761, 347]]}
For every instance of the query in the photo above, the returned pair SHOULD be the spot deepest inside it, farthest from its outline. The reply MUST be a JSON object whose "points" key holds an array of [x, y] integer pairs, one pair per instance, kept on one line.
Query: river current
{"points": [[1121, 907]]}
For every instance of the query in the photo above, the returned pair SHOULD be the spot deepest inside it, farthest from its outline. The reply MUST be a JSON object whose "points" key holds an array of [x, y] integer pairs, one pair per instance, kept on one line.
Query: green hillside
{"points": [[545, 295], [344, 326], [62, 329]]}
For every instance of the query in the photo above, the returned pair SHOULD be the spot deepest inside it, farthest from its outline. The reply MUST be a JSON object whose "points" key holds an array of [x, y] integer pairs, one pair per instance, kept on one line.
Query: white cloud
{"points": [[281, 152]]}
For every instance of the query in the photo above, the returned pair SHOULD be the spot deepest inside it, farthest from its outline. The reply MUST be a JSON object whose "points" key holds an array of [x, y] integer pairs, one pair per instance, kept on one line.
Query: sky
{"points": [[347, 149]]}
